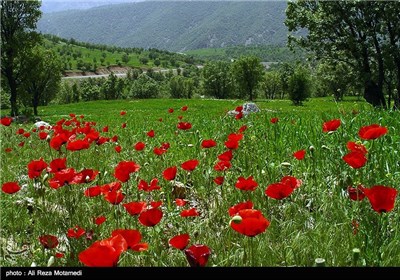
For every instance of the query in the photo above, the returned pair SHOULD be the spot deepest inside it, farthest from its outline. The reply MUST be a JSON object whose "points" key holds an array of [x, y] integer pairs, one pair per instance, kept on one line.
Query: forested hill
{"points": [[173, 26]]}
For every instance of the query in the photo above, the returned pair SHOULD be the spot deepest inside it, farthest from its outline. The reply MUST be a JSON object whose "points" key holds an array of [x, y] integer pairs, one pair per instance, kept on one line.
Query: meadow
{"points": [[177, 183]]}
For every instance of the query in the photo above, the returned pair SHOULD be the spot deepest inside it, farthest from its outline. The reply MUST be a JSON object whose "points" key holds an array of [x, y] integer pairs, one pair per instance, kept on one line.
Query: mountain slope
{"points": [[174, 26]]}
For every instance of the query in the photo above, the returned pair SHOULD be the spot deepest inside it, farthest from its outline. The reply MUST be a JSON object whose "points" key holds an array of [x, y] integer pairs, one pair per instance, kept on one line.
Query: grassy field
{"points": [[314, 218]]}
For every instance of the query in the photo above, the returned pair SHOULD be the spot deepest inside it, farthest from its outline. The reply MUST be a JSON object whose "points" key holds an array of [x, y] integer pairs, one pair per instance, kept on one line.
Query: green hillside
{"points": [[78, 56], [175, 26]]}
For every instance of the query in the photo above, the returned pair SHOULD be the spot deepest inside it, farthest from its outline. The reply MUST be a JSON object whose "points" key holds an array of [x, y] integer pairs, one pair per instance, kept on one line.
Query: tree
{"points": [[299, 86], [247, 72], [18, 20], [42, 75], [362, 34], [271, 84], [144, 87], [217, 80]]}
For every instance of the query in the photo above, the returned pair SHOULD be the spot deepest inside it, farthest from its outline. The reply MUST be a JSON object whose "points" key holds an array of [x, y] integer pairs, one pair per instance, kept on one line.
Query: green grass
{"points": [[315, 221]]}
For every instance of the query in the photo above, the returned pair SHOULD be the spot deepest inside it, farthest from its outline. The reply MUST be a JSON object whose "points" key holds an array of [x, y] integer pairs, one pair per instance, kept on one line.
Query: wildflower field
{"points": [[177, 183]]}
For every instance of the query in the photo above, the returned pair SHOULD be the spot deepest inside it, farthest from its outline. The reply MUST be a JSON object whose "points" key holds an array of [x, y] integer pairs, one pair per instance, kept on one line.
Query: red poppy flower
{"points": [[105, 129], [78, 145], [235, 137], [300, 154], [72, 115], [104, 253], [114, 197], [331, 125], [124, 169], [274, 120], [58, 140], [239, 109], [20, 131], [102, 140], [356, 193], [239, 116], [170, 110], [192, 212], [159, 151], [113, 186], [62, 178], [222, 165], [59, 255], [180, 241], [148, 188], [6, 121], [372, 131], [139, 146], [246, 184], [21, 144], [232, 144], [75, 232], [279, 190], [122, 113], [43, 135], [99, 220], [240, 206], [219, 180], [180, 202], [155, 204], [123, 125], [10, 187], [242, 129], [118, 149], [151, 133], [170, 173], [190, 165], [184, 125], [114, 138], [26, 134], [151, 217], [165, 145], [250, 222], [209, 143], [93, 191], [352, 146], [8, 150], [132, 238], [382, 198], [35, 168], [226, 156], [87, 175], [197, 255], [135, 208], [48, 241], [355, 159], [291, 181], [57, 164], [184, 108]]}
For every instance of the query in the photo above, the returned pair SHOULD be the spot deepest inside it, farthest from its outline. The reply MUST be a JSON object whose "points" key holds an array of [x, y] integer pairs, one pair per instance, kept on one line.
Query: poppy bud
{"points": [[48, 138], [325, 147], [50, 262], [311, 148], [286, 164], [45, 177], [356, 255], [320, 262], [236, 219]]}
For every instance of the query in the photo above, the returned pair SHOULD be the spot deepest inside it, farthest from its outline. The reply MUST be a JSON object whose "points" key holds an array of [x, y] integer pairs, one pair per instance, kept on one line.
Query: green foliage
{"points": [[362, 34], [299, 88], [271, 85], [181, 87], [217, 79], [144, 88], [247, 74], [18, 19], [42, 77]]}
